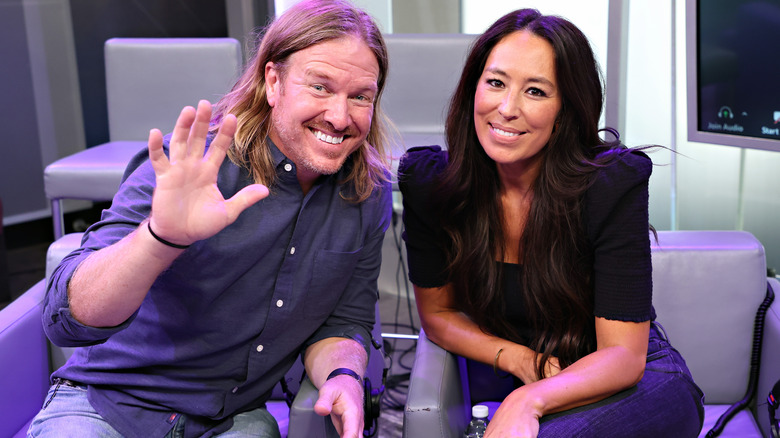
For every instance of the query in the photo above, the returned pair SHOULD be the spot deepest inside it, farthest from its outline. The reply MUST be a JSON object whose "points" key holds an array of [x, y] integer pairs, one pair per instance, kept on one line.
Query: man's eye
{"points": [[318, 87]]}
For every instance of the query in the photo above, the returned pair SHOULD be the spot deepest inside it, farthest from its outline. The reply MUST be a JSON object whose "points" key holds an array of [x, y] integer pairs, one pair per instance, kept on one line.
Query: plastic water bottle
{"points": [[479, 422]]}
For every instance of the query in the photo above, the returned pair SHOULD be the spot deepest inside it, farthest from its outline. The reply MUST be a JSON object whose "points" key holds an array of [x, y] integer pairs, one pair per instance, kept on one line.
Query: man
{"points": [[198, 289]]}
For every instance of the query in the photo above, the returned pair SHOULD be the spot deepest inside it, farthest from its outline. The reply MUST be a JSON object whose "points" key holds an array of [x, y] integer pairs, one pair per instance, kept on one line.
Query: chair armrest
{"points": [[304, 422], [24, 362], [436, 405], [770, 359]]}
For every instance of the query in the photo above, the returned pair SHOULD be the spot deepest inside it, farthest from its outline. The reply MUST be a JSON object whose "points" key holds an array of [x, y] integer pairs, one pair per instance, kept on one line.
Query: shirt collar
{"points": [[276, 154]]}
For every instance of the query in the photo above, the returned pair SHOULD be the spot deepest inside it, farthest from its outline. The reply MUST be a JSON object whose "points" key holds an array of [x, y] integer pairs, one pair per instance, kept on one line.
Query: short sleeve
{"points": [[417, 173], [616, 206]]}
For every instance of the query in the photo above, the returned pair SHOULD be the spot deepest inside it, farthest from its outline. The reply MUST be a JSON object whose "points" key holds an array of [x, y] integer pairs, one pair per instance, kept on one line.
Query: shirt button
{"points": [[288, 167], [259, 348], [279, 303], [234, 390], [292, 250]]}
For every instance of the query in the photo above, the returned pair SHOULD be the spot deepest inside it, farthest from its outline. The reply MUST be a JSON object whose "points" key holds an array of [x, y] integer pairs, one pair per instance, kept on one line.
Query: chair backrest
{"points": [[149, 80], [707, 287], [424, 70]]}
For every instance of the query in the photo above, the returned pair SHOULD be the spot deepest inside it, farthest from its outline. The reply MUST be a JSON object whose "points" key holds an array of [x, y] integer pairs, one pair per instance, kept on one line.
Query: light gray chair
{"points": [[707, 288], [27, 360], [148, 82]]}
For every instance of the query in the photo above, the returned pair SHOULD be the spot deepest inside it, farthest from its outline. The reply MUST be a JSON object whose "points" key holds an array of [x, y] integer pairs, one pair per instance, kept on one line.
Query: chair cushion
{"points": [[24, 360], [59, 249], [23, 431], [742, 425], [93, 174]]}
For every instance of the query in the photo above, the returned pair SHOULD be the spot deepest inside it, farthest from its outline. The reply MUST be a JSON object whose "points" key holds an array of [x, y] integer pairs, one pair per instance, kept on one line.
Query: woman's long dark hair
{"points": [[557, 265]]}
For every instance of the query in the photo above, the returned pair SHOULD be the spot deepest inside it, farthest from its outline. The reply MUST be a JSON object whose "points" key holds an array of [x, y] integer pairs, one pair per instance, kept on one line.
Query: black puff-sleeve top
{"points": [[616, 215]]}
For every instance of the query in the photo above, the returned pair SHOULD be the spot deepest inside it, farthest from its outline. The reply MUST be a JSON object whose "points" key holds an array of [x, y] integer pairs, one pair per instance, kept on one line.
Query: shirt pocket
{"points": [[331, 274]]}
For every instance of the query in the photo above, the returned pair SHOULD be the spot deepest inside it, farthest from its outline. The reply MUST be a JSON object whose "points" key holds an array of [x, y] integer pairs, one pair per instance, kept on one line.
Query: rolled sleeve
{"points": [[131, 205], [58, 323]]}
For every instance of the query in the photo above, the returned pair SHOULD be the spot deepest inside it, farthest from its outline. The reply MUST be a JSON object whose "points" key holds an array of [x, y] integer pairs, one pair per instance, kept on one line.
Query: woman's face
{"points": [[517, 100]]}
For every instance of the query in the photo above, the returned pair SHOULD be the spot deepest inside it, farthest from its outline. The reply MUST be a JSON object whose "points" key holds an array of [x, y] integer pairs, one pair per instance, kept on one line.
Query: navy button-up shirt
{"points": [[221, 327]]}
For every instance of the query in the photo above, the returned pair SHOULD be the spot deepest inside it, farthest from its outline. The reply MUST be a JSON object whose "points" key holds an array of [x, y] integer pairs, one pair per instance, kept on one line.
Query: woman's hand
{"points": [[187, 205], [518, 360], [552, 367], [518, 416]]}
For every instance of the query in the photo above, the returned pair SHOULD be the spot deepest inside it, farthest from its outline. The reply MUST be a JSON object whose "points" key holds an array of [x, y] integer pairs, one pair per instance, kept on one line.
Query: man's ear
{"points": [[272, 84]]}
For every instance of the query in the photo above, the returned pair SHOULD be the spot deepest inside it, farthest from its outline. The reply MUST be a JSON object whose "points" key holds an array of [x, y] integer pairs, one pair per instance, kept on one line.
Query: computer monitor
{"points": [[734, 72]]}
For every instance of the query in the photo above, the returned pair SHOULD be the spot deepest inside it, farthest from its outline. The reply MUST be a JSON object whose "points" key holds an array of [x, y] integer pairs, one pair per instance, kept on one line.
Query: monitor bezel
{"points": [[694, 134]]}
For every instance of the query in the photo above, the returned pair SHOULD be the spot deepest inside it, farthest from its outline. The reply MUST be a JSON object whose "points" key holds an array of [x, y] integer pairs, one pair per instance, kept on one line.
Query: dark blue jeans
{"points": [[665, 403]]}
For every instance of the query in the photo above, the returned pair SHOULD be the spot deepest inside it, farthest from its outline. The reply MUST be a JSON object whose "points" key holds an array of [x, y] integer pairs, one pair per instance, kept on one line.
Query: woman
{"points": [[529, 249]]}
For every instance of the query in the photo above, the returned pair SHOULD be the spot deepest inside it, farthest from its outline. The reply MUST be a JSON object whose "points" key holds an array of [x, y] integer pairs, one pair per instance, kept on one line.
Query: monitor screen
{"points": [[734, 72]]}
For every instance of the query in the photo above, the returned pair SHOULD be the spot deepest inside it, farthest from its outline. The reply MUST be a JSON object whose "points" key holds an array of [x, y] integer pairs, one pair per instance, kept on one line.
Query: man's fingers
{"points": [[242, 200], [351, 426], [181, 131], [196, 141], [323, 406], [156, 154], [347, 419], [222, 141]]}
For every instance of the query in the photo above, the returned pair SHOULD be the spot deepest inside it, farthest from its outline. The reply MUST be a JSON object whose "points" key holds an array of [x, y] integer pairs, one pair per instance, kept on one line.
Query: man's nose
{"points": [[337, 113]]}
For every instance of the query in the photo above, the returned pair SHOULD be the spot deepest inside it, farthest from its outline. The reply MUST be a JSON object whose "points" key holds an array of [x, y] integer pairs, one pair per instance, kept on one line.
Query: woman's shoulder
{"points": [[420, 165], [624, 168], [620, 186]]}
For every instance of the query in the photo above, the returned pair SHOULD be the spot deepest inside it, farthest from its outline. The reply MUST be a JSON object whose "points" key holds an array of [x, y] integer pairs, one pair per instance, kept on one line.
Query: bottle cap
{"points": [[479, 411]]}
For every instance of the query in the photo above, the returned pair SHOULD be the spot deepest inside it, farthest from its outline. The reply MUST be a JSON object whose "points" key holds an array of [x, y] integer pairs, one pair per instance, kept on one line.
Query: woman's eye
{"points": [[495, 83], [536, 92]]}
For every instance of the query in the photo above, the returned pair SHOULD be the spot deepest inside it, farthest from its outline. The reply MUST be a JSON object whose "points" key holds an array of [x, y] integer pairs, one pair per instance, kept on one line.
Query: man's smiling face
{"points": [[322, 104]]}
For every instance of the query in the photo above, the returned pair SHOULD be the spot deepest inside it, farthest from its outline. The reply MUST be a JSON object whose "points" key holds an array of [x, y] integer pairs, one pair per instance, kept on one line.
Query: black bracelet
{"points": [[163, 241], [347, 371]]}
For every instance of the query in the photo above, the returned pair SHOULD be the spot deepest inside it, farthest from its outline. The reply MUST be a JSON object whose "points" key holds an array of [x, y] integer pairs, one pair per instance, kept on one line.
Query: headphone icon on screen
{"points": [[725, 113]]}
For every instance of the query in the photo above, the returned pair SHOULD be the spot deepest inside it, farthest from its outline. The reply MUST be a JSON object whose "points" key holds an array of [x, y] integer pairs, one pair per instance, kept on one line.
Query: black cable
{"points": [[755, 365], [397, 385], [402, 267]]}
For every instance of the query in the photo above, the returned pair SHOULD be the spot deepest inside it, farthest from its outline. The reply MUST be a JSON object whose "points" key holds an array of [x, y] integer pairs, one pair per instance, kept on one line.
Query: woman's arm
{"points": [[455, 332], [617, 364]]}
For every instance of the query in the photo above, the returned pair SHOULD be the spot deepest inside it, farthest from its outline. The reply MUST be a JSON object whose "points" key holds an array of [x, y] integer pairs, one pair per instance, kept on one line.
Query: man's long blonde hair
{"points": [[305, 24]]}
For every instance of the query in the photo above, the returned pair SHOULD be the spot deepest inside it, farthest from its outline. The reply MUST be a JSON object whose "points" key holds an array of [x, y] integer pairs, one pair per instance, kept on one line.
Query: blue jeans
{"points": [[67, 413], [665, 403]]}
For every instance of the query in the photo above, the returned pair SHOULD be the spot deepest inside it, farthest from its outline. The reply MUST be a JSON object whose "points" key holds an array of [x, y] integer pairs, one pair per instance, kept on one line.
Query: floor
{"points": [[25, 252]]}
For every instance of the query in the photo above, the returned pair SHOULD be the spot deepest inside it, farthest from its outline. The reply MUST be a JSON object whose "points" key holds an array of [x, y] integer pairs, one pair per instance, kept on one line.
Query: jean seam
{"points": [[54, 393]]}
